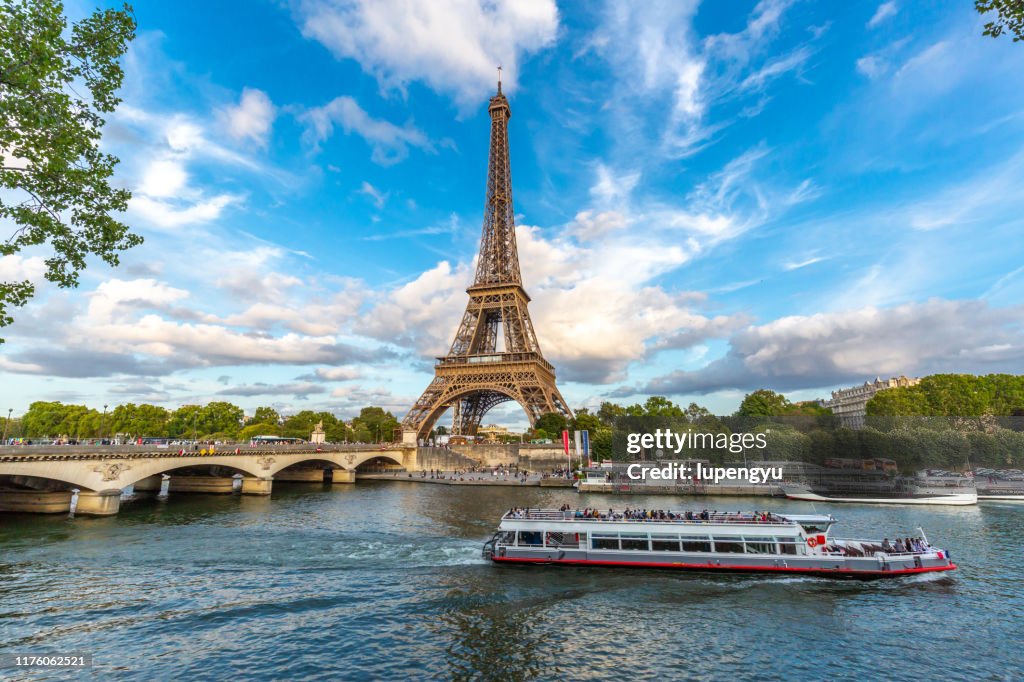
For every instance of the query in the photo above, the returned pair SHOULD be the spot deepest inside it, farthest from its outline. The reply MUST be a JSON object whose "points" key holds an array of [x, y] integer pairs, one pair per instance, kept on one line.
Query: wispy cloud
{"points": [[884, 11], [453, 46], [390, 143], [379, 198]]}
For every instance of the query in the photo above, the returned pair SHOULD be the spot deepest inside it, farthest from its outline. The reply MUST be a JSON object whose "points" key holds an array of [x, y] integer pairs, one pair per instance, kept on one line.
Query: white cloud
{"points": [[451, 45], [115, 294], [338, 373], [796, 265], [852, 345], [589, 225], [163, 177], [775, 69], [659, 62], [378, 197], [390, 143], [252, 118], [168, 214], [872, 66], [17, 268], [884, 11]]}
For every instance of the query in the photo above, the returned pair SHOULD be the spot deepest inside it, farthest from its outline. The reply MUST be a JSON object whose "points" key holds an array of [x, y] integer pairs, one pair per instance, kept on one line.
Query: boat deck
{"points": [[672, 517]]}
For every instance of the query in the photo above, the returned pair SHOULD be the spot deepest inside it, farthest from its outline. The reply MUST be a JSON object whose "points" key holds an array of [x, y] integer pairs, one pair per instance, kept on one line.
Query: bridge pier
{"points": [[35, 501], [257, 486], [103, 503], [209, 485], [293, 475], [342, 476], [149, 486]]}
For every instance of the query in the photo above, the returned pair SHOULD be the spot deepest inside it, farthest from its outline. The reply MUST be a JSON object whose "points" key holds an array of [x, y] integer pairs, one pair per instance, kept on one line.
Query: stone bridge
{"points": [[41, 480]]}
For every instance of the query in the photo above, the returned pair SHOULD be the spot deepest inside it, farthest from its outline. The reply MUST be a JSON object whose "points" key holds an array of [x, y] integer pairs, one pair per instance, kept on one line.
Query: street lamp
{"points": [[7, 424], [103, 423]]}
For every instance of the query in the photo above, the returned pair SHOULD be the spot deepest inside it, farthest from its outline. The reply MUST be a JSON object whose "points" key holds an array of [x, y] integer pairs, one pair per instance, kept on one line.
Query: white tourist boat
{"points": [[926, 487], [705, 541], [1003, 486]]}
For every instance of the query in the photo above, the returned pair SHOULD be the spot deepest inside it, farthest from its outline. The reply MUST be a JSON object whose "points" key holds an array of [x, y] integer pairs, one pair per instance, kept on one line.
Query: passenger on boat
{"points": [[886, 547], [899, 547]]}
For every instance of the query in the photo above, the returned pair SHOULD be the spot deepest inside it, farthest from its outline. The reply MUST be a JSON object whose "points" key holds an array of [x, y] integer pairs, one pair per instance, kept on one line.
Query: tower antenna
{"points": [[499, 79]]}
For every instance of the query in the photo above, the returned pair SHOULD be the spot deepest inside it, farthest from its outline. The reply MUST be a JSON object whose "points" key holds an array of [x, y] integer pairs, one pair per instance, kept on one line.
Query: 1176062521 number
{"points": [[45, 660]]}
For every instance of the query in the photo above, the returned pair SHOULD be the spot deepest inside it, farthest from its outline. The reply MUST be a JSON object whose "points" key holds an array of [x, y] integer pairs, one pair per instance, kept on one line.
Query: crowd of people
{"points": [[499, 473], [651, 515], [904, 546]]}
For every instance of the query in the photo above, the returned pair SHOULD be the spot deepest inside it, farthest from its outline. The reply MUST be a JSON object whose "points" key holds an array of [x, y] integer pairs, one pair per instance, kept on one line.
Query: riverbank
{"points": [[535, 480], [474, 478]]}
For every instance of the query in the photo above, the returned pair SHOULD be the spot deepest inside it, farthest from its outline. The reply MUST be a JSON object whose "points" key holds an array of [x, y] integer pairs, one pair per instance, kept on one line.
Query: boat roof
{"points": [[718, 518]]}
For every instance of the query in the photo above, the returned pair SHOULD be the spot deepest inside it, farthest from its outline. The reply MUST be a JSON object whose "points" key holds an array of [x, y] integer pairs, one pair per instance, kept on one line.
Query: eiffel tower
{"points": [[478, 373]]}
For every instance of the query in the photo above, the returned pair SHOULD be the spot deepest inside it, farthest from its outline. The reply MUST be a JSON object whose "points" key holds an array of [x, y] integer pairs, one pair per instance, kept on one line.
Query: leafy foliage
{"points": [[952, 395], [1009, 17], [258, 429], [139, 420], [266, 415], [551, 423], [54, 176]]}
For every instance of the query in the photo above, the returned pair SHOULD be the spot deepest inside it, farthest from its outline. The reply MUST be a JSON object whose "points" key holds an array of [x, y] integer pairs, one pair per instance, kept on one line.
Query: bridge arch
{"points": [[29, 481], [437, 412], [164, 466]]}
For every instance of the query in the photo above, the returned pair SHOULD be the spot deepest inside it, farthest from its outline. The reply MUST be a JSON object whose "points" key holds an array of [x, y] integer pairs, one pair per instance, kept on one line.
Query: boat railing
{"points": [[555, 515], [875, 543]]}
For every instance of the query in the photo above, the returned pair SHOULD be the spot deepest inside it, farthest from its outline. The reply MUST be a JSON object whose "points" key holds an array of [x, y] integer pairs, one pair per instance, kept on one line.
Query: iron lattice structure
{"points": [[495, 356]]}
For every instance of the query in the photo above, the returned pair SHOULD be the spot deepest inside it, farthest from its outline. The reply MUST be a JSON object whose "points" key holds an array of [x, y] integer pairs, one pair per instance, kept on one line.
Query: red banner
{"points": [[565, 441]]}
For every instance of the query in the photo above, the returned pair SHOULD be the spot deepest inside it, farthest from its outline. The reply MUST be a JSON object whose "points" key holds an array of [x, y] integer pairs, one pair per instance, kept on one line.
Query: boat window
{"points": [[760, 545], [604, 541], [696, 544], [636, 541], [734, 545], [787, 545], [554, 538], [664, 543], [531, 538], [507, 537]]}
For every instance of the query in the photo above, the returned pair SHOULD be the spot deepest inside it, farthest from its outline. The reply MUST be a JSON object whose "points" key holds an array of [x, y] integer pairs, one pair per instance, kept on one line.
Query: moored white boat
{"points": [[741, 542], [957, 497]]}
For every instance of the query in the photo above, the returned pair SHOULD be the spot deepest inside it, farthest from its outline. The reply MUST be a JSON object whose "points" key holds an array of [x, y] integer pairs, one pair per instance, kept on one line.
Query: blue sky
{"points": [[710, 198]]}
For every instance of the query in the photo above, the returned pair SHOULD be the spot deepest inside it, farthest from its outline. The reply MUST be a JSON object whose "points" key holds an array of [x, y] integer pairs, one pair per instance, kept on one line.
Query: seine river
{"points": [[384, 580]]}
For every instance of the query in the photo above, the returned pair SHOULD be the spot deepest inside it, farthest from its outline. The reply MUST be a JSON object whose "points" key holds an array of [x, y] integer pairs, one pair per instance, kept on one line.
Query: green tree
{"points": [[43, 418], [1009, 17], [266, 415], [139, 420], [184, 422], [301, 424], [763, 403], [220, 419], [584, 421], [377, 422], [261, 429], [551, 422], [660, 406], [54, 176], [607, 412]]}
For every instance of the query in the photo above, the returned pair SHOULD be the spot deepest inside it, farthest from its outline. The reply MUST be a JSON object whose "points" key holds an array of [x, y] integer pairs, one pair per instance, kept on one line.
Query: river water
{"points": [[384, 580]]}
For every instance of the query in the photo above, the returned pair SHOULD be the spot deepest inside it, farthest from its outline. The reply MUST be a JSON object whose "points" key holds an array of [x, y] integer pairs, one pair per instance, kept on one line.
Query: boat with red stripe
{"points": [[740, 542]]}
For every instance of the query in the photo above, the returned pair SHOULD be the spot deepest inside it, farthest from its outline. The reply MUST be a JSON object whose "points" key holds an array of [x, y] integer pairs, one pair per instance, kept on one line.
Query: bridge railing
{"points": [[131, 449]]}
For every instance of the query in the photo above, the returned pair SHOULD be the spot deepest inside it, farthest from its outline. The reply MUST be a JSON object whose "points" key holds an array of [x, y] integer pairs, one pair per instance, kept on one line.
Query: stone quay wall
{"points": [[528, 456]]}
